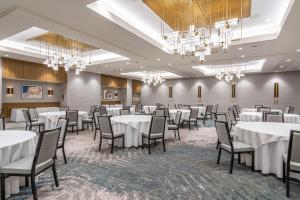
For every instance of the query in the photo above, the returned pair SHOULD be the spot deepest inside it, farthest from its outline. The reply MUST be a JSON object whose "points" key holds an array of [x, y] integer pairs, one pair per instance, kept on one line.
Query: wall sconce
{"points": [[10, 91], [199, 92], [170, 92], [50, 92], [276, 92], [233, 91]]}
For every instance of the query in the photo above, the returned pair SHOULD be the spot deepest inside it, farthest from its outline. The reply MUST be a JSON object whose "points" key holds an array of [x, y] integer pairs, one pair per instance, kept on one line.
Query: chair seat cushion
{"points": [[108, 135], [153, 135], [23, 166], [72, 123], [36, 123], [87, 120], [188, 119], [294, 165], [172, 127], [238, 147]]}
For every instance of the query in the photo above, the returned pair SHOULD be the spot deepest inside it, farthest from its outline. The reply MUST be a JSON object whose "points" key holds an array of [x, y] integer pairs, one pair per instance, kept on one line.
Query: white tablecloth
{"points": [[185, 113], [270, 141], [255, 110], [257, 117], [50, 118], [116, 111], [201, 110], [17, 114], [15, 145], [152, 109]]}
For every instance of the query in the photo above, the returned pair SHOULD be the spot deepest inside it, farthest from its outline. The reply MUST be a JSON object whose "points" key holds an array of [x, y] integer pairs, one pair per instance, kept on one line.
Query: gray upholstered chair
{"points": [[31, 166], [33, 114], [208, 114], [72, 115], [231, 118], [106, 132], [64, 108], [139, 109], [124, 112], [160, 112], [291, 160], [292, 110], [175, 126], [273, 117], [90, 120], [63, 125], [226, 144], [102, 110], [287, 109], [156, 131], [30, 124], [215, 109], [96, 123], [221, 117], [192, 118]]}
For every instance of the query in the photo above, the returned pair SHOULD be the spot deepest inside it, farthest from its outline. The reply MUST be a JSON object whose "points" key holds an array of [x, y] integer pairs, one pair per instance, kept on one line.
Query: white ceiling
{"points": [[75, 20]]}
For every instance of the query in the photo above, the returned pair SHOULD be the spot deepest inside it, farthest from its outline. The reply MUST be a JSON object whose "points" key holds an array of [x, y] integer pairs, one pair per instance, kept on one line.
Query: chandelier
{"points": [[230, 73], [153, 78], [197, 29], [59, 51]]}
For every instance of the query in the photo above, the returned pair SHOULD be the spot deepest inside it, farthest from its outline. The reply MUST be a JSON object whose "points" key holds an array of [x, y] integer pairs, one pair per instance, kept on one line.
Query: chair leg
{"points": [[77, 129], [123, 141], [218, 143], [64, 154], [72, 129], [175, 133], [149, 146], [178, 134], [231, 163], [95, 134], [288, 183], [239, 158], [196, 124], [33, 188], [164, 145], [2, 186], [142, 142], [283, 171], [55, 175], [100, 143], [219, 156], [26, 181], [189, 125], [112, 146], [155, 142], [253, 161]]}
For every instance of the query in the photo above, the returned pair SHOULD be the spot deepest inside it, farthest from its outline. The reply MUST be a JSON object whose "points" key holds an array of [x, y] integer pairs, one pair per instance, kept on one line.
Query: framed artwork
{"points": [[116, 94], [108, 94], [31, 92]]}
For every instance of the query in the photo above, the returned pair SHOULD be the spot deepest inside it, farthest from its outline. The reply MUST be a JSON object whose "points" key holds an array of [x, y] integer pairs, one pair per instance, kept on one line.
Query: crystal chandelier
{"points": [[153, 78], [230, 73], [199, 38]]}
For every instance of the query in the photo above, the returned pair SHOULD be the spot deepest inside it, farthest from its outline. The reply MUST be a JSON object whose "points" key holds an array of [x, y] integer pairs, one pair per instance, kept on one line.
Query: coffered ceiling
{"points": [[132, 42]]}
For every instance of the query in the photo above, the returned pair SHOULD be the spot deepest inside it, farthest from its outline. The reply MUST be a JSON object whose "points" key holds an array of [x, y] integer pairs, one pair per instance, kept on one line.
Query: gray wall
{"points": [[83, 90], [58, 90], [129, 92], [251, 90]]}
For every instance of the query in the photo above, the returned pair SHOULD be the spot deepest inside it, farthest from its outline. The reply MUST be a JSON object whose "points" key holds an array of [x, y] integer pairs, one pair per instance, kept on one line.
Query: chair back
{"points": [[33, 113], [2, 123], [258, 106], [139, 107], [167, 113], [26, 116], [158, 124], [223, 133], [93, 109], [237, 109], [102, 110], [178, 118], [105, 125], [46, 147], [231, 115], [263, 109], [179, 106], [292, 110], [126, 107], [294, 147], [194, 113], [160, 112], [273, 117], [221, 117], [287, 109], [215, 108], [209, 109], [64, 108], [62, 123], [124, 112], [175, 106], [72, 115]]}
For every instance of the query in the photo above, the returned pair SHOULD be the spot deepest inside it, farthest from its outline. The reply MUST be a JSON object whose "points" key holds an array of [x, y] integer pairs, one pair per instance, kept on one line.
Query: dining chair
{"points": [[160, 112], [231, 118], [168, 117], [33, 114], [126, 107], [30, 124], [103, 110], [291, 160], [236, 110], [287, 109], [72, 115], [273, 117], [33, 165], [63, 108], [106, 132], [215, 109], [175, 106], [139, 109], [258, 106], [192, 118], [292, 110], [207, 115], [175, 126], [62, 123], [232, 147], [156, 132], [124, 112], [90, 120], [96, 123]]}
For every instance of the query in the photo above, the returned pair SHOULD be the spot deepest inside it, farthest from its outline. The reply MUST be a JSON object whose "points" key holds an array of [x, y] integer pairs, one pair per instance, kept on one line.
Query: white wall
{"points": [[83, 90], [251, 90], [129, 92]]}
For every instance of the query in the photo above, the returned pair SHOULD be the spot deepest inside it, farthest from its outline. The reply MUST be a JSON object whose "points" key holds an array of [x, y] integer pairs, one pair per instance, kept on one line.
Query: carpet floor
{"points": [[187, 170]]}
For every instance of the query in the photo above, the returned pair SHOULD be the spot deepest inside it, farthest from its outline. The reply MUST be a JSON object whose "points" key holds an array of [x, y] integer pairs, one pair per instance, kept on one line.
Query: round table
{"points": [[151, 108], [51, 118], [270, 141], [255, 110], [257, 117], [116, 111], [15, 145], [133, 126], [184, 113]]}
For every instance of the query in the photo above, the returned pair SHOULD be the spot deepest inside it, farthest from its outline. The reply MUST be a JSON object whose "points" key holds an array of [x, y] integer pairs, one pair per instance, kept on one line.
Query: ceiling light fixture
{"points": [[281, 66], [170, 64], [157, 59], [288, 60], [240, 48], [298, 50], [243, 56], [128, 63], [267, 20]]}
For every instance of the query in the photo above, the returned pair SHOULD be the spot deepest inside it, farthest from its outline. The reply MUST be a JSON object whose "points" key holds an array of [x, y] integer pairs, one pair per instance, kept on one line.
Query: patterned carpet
{"points": [[188, 170]]}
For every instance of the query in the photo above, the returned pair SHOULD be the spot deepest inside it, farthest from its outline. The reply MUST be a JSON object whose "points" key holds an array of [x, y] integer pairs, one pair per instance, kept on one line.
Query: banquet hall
{"points": [[150, 99]]}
